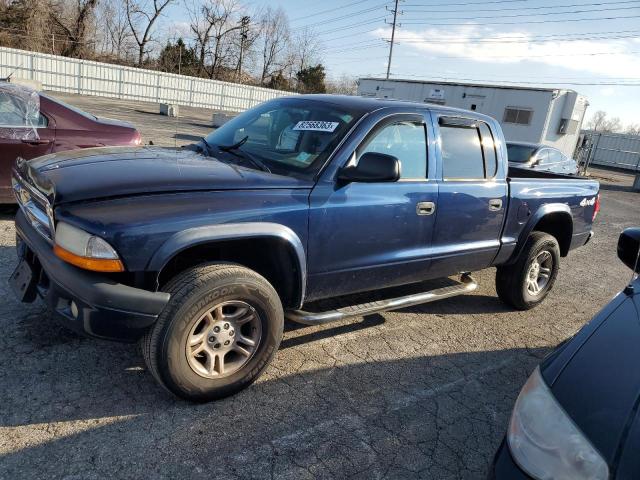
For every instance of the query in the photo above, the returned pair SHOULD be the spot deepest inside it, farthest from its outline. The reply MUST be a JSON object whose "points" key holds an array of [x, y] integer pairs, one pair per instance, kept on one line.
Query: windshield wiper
{"points": [[208, 146], [244, 154], [235, 146]]}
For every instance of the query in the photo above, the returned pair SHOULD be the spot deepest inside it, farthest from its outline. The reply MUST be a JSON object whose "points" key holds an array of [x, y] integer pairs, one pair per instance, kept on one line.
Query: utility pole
{"points": [[393, 36], [244, 27]]}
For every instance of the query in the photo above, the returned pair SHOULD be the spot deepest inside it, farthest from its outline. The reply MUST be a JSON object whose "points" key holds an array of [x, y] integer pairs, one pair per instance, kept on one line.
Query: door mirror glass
{"points": [[372, 167], [628, 248]]}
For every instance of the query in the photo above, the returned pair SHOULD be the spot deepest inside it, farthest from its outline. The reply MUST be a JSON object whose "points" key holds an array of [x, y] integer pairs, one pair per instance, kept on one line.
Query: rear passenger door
{"points": [[472, 196]]}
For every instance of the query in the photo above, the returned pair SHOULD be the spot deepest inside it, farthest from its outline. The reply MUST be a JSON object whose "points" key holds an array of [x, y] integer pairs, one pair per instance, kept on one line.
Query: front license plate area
{"points": [[22, 282]]}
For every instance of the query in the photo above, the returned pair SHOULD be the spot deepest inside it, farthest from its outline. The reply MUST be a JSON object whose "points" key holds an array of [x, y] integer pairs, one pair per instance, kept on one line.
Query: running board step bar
{"points": [[467, 285]]}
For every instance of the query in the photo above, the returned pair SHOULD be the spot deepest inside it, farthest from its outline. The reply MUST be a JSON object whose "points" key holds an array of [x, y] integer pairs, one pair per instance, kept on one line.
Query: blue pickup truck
{"points": [[201, 253]]}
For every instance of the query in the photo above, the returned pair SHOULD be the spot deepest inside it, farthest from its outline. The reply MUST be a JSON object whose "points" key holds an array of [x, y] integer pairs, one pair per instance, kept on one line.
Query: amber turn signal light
{"points": [[95, 264]]}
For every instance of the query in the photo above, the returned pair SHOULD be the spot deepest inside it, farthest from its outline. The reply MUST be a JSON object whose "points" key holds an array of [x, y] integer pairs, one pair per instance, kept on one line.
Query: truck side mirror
{"points": [[372, 167], [628, 247]]}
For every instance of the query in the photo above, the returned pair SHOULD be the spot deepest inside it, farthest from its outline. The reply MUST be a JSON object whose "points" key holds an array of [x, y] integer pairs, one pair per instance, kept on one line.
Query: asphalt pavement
{"points": [[424, 392]]}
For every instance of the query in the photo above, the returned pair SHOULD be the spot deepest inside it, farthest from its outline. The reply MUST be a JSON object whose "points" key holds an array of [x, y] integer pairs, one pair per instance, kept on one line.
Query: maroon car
{"points": [[33, 124]]}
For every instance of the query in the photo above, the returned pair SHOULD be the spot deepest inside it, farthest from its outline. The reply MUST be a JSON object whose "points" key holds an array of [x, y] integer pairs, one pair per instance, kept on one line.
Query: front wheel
{"points": [[527, 282], [219, 331]]}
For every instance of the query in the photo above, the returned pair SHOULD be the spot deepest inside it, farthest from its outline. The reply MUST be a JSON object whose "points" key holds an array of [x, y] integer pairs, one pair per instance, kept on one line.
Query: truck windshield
{"points": [[519, 153], [288, 135]]}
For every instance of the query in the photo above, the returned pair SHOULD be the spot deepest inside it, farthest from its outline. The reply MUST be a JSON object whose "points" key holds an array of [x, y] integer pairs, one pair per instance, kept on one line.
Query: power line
{"points": [[556, 37], [529, 22], [502, 9], [342, 16], [465, 3], [329, 10], [531, 14]]}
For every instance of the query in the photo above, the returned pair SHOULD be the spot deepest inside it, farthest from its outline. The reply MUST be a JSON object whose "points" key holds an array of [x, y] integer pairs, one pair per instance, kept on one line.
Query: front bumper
{"points": [[103, 308], [504, 467]]}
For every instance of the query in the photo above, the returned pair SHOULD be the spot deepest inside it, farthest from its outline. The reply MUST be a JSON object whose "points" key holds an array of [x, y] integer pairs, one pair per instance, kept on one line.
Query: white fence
{"points": [[62, 74], [614, 150]]}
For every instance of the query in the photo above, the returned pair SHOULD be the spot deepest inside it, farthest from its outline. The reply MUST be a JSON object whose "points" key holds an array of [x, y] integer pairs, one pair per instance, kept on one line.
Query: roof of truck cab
{"points": [[372, 103]]}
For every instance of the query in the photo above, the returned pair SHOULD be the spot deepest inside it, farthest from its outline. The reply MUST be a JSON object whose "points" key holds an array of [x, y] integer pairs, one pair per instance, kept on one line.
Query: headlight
{"points": [[84, 250], [545, 442]]}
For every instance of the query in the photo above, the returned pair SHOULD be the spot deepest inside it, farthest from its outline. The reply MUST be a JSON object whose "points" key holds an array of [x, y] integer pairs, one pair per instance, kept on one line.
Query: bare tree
{"points": [[633, 129], [74, 21], [116, 36], [214, 23], [141, 17], [344, 85], [275, 38], [601, 123], [26, 24], [306, 49]]}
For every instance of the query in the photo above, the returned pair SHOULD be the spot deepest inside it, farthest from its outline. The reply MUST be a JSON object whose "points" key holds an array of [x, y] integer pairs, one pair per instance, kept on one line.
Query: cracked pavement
{"points": [[424, 392]]}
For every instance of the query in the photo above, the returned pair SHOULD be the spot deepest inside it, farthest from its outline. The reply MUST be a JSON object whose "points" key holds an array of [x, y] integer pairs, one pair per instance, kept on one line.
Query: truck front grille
{"points": [[35, 206]]}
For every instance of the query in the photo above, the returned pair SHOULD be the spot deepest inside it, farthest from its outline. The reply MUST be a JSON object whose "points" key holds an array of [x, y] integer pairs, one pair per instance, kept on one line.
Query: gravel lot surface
{"points": [[423, 392]]}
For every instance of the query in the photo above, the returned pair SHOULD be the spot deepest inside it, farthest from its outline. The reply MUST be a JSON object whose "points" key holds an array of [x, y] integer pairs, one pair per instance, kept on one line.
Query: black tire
{"points": [[511, 280], [192, 293]]}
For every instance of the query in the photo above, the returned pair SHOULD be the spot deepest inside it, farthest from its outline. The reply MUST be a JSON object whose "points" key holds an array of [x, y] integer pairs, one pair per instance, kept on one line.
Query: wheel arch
{"points": [[554, 219], [272, 250]]}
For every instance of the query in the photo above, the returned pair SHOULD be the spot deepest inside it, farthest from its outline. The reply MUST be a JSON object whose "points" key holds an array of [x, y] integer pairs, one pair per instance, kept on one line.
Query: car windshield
{"points": [[288, 135], [519, 153]]}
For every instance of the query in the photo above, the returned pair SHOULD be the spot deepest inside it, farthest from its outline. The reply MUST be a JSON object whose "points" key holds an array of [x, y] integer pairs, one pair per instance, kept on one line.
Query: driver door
{"points": [[364, 236]]}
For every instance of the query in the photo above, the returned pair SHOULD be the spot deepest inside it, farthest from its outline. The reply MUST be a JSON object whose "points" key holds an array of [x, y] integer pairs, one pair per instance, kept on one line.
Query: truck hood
{"points": [[599, 383], [95, 173]]}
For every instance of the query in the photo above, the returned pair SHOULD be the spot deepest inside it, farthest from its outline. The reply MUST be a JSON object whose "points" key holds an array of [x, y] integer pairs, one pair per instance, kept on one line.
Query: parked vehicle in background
{"points": [[536, 156], [33, 124], [577, 416], [202, 252]]}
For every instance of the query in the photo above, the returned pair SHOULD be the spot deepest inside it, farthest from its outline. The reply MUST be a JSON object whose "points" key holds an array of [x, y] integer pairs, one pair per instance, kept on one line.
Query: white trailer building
{"points": [[551, 116]]}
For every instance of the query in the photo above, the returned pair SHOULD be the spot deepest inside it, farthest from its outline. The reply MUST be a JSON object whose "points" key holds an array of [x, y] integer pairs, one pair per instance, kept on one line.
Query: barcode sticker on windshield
{"points": [[316, 126]]}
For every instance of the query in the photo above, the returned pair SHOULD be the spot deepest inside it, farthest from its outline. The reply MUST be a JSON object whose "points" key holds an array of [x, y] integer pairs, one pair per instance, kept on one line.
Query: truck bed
{"points": [[515, 172]]}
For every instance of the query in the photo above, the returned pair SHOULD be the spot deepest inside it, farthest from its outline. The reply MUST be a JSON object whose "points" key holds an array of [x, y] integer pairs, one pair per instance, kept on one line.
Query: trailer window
{"points": [[519, 116]]}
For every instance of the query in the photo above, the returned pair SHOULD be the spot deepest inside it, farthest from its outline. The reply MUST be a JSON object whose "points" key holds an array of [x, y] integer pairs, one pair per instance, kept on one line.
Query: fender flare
{"points": [[543, 211], [192, 237]]}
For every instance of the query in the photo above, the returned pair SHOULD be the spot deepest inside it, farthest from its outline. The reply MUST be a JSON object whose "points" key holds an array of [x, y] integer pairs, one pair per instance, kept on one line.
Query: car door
{"points": [[472, 196], [364, 236], [24, 132]]}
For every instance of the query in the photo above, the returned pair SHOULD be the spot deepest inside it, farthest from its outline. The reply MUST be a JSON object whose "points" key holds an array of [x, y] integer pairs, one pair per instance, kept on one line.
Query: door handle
{"points": [[36, 142], [425, 208], [495, 204]]}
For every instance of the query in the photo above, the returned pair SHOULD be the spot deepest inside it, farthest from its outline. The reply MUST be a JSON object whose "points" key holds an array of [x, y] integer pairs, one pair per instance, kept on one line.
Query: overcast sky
{"points": [[544, 42]]}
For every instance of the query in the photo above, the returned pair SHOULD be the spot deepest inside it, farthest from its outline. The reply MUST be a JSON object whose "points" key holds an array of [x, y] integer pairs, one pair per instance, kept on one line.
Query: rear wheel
{"points": [[527, 282], [220, 330]]}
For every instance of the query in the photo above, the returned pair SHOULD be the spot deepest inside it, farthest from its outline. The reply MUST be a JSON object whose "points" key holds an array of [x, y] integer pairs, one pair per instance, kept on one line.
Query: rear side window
{"points": [[11, 113], [468, 151], [542, 157], [489, 150], [461, 153], [555, 156]]}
